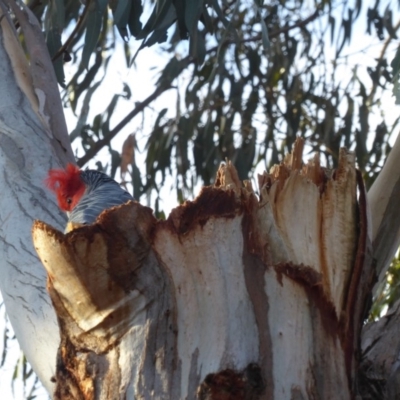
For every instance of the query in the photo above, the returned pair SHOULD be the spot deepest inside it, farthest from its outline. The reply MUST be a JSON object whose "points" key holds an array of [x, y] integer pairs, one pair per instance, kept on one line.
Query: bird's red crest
{"points": [[67, 185]]}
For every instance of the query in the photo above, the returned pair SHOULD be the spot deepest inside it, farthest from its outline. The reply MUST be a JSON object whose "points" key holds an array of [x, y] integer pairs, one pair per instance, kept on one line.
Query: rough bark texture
{"points": [[232, 297], [33, 138], [380, 366]]}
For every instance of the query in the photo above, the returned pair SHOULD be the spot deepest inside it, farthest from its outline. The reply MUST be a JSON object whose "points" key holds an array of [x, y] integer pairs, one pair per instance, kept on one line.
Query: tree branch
{"points": [[106, 140], [272, 34], [298, 24], [383, 198], [78, 26], [141, 106]]}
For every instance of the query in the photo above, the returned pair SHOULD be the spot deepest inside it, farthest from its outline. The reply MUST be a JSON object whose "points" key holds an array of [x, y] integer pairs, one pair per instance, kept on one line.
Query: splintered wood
{"points": [[315, 212], [261, 297]]}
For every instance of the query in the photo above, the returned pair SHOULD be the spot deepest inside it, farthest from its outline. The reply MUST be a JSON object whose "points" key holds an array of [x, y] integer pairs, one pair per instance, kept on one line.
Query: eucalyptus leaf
{"points": [[395, 64], [162, 16], [198, 47], [264, 30], [58, 10], [135, 25], [53, 41], [121, 17], [158, 36], [171, 71], [192, 13], [93, 29]]}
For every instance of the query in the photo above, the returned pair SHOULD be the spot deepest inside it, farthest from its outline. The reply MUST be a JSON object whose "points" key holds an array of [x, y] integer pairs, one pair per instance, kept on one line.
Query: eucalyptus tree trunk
{"points": [[233, 296], [33, 138]]}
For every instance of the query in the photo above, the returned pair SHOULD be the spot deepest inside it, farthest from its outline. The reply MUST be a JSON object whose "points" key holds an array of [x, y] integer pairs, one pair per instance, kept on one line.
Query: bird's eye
{"points": [[69, 200]]}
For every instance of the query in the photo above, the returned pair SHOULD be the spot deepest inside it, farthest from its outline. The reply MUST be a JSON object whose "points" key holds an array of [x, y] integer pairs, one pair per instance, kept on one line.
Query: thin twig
{"points": [[78, 26], [106, 140], [298, 24], [272, 34]]}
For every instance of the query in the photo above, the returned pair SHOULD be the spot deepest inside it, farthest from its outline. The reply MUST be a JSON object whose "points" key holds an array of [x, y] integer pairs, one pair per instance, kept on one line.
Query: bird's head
{"points": [[68, 186]]}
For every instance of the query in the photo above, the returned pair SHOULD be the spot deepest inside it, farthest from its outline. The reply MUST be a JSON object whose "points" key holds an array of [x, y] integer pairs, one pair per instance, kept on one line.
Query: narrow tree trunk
{"points": [[33, 138], [232, 297]]}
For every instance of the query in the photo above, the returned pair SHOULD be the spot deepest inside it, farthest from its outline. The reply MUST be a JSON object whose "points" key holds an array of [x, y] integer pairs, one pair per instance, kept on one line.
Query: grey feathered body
{"points": [[101, 192]]}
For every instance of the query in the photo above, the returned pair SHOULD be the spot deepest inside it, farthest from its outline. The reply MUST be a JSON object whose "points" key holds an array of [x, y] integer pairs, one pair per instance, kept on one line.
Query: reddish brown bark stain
{"points": [[361, 282], [232, 385], [311, 281], [254, 270], [211, 202]]}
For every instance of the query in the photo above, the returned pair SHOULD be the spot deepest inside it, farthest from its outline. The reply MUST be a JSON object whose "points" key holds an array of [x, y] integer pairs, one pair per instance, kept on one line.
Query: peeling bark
{"points": [[232, 297]]}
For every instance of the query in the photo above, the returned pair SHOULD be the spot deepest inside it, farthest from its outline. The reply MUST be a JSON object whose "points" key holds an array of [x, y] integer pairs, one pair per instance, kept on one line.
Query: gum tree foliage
{"points": [[257, 74]]}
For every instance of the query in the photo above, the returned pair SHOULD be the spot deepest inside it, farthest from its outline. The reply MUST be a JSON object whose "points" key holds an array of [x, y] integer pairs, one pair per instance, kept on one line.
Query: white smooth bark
{"points": [[383, 198], [28, 148]]}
